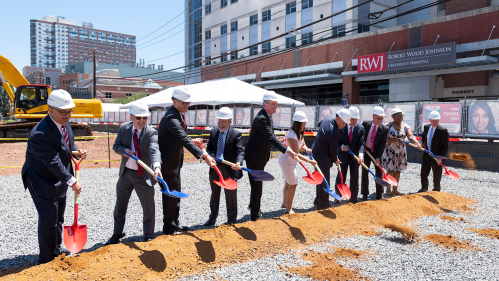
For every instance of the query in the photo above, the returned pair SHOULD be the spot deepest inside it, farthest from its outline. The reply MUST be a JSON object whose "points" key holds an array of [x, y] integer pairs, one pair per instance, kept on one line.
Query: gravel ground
{"points": [[393, 258]]}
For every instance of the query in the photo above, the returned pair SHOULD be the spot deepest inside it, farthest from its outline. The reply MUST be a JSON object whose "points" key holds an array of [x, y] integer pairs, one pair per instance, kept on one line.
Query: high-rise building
{"points": [[56, 42]]}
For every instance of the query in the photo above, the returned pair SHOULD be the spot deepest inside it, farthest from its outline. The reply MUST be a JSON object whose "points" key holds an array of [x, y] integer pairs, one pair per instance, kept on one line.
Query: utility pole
{"points": [[94, 51]]}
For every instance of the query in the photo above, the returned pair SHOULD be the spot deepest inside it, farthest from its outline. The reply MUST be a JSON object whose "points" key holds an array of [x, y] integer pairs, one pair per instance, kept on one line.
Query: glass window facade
{"points": [[291, 8]]}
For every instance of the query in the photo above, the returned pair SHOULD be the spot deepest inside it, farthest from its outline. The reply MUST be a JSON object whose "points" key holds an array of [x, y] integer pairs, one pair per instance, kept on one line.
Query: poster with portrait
{"points": [[483, 118], [242, 118], [110, 118], [282, 117], [328, 111], [212, 121], [450, 116], [408, 110], [201, 115], [255, 112], [190, 118], [365, 112], [310, 113], [122, 117]]}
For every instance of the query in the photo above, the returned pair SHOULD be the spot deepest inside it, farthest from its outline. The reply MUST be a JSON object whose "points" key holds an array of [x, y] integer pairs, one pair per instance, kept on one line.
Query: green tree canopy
{"points": [[131, 98]]}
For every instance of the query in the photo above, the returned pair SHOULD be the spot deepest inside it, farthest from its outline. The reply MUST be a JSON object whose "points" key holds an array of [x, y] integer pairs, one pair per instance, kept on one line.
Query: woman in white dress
{"points": [[295, 141]]}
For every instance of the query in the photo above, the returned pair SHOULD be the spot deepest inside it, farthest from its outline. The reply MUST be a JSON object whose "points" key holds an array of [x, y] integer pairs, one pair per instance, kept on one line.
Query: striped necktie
{"points": [[373, 135], [220, 146], [65, 135]]}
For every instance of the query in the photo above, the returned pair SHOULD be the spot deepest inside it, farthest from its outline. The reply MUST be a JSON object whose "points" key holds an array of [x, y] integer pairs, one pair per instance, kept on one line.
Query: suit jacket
{"points": [[233, 149], [48, 160], [260, 138], [149, 149], [356, 146], [172, 139], [327, 139], [440, 140], [379, 140]]}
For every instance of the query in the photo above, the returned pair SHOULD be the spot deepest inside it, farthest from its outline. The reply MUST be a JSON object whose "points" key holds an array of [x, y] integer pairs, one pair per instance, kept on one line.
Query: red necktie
{"points": [[350, 135], [183, 120], [65, 135], [373, 135], [137, 148]]}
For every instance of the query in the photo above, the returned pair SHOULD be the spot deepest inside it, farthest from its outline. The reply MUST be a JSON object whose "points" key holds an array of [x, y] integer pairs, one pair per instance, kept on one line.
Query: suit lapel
{"points": [[129, 136]]}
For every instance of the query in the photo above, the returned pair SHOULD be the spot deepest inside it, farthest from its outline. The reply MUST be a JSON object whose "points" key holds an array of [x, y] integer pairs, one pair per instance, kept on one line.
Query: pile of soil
{"points": [[325, 266], [448, 218], [488, 232], [407, 232], [468, 161], [172, 256], [450, 242]]}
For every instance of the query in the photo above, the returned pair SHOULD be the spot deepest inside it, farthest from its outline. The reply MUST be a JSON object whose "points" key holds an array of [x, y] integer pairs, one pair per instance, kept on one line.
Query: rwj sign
{"points": [[371, 63]]}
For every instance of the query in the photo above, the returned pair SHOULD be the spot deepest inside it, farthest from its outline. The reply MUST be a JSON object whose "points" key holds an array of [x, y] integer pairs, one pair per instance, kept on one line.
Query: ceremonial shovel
{"points": [[391, 180], [314, 178], [344, 190], [228, 183], [327, 189], [75, 236], [174, 193], [376, 179]]}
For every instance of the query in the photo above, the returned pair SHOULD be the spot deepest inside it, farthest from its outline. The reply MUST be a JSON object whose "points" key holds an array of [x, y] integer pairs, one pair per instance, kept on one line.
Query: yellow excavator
{"points": [[29, 102]]}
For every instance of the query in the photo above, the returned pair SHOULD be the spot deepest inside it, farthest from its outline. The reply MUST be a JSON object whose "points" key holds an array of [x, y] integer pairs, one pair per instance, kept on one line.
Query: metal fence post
{"points": [[464, 118]]}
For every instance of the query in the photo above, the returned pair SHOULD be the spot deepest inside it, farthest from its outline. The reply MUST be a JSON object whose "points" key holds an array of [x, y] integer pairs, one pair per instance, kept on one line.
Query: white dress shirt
{"points": [[131, 163], [72, 180], [430, 141], [361, 154]]}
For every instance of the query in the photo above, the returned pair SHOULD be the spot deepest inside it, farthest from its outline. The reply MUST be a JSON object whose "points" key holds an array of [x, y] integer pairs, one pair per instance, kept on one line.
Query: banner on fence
{"points": [[409, 111], [282, 117], [328, 111], [483, 118], [450, 115], [201, 117], [242, 117]]}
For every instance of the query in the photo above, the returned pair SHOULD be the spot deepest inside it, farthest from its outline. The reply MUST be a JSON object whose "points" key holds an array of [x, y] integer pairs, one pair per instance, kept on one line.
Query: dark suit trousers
{"points": [[171, 206], [365, 179], [230, 196], [126, 184], [324, 163], [256, 190], [427, 165], [354, 180], [50, 224]]}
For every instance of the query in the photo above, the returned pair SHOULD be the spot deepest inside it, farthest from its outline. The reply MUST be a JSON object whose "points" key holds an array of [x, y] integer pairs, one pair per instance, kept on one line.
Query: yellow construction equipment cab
{"points": [[29, 102]]}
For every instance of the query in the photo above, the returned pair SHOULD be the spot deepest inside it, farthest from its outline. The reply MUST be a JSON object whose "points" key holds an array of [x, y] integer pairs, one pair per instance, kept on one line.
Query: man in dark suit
{"points": [[325, 151], [436, 139], [48, 172], [225, 143], [375, 142], [172, 139], [137, 138], [257, 152], [352, 136]]}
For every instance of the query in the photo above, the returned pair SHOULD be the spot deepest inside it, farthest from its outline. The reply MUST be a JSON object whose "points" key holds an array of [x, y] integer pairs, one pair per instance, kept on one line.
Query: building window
{"points": [[254, 19], [363, 28], [441, 7], [223, 57], [306, 38], [127, 94], [233, 1], [307, 4], [265, 47], [291, 8], [207, 34], [291, 42], [254, 50], [233, 56], [266, 15], [109, 95], [223, 3], [208, 60], [233, 26], [223, 29], [339, 31], [207, 9]]}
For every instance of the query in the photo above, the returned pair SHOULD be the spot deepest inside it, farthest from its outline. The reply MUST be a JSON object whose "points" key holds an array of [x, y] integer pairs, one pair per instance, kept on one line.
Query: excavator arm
{"points": [[11, 74]]}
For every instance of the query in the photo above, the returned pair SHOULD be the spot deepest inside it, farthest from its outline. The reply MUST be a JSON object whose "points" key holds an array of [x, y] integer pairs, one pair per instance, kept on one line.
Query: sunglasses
{"points": [[64, 113], [141, 118]]}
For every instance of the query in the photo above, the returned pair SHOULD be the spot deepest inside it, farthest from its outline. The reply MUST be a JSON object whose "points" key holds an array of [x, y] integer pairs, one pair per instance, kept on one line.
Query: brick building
{"points": [[328, 72]]}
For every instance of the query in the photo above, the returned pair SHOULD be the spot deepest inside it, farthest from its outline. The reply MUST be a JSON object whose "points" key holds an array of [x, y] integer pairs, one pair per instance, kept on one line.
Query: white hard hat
{"points": [[345, 115], [270, 97], [139, 109], [224, 113], [434, 115], [61, 99], [396, 110], [355, 112], [378, 110], [300, 116], [181, 93]]}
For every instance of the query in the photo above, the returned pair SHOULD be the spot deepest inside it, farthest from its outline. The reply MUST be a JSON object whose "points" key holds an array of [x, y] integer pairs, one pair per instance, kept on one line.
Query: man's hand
{"points": [[236, 166], [344, 148], [338, 162], [313, 162], [282, 139], [198, 142], [378, 162], [292, 153], [127, 151], [439, 161], [76, 187], [309, 150], [83, 153], [361, 160], [210, 161], [157, 173]]}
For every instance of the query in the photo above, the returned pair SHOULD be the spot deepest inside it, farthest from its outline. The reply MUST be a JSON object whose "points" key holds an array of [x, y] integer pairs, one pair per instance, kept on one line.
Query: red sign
{"points": [[371, 63]]}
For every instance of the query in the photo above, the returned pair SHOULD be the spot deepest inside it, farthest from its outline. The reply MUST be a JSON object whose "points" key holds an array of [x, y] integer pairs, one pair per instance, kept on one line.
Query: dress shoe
{"points": [[336, 201], [229, 223], [364, 197], [148, 239], [422, 190], [60, 252], [115, 239], [209, 223], [353, 201], [181, 228]]}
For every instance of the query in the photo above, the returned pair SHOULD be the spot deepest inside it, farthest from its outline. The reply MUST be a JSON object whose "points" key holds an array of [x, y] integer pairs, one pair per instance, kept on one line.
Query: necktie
{"points": [[430, 138], [65, 135], [183, 120], [373, 135], [220, 146], [136, 145], [350, 135]]}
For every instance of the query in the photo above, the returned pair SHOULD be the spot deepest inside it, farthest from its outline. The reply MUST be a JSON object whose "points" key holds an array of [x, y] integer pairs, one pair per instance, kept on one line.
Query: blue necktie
{"points": [[220, 146], [430, 138]]}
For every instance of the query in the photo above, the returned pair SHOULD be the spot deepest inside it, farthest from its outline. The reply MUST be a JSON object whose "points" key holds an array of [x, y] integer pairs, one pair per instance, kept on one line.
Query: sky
{"points": [[137, 18]]}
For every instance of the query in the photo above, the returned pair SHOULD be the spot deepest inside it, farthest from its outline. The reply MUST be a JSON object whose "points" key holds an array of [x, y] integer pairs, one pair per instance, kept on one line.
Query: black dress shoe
{"points": [[148, 239], [181, 228], [115, 239], [60, 252], [364, 197], [209, 223], [353, 201], [337, 202], [229, 223], [422, 190]]}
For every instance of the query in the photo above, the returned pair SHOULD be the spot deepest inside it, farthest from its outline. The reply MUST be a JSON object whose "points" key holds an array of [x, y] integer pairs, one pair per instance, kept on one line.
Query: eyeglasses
{"points": [[64, 113], [183, 102], [140, 118], [379, 118]]}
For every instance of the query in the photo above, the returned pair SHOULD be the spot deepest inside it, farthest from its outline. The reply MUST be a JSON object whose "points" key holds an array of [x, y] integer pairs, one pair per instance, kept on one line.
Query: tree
{"points": [[131, 98], [5, 102]]}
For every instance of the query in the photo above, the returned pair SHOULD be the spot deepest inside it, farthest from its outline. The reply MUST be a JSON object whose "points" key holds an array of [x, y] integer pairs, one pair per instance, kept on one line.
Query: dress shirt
{"points": [[430, 141], [222, 135], [361, 154], [131, 163], [368, 138], [72, 180]]}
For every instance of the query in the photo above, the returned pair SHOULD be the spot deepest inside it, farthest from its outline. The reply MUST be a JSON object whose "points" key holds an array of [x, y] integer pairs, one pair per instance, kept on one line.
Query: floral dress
{"points": [[395, 155]]}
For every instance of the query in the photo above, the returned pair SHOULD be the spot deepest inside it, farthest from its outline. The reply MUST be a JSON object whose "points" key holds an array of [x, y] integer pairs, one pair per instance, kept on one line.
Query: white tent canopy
{"points": [[223, 91]]}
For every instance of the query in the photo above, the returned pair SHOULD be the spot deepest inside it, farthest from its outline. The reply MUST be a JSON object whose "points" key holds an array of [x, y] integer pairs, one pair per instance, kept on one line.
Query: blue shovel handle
{"points": [[220, 160], [425, 150], [354, 156], [167, 190], [327, 189]]}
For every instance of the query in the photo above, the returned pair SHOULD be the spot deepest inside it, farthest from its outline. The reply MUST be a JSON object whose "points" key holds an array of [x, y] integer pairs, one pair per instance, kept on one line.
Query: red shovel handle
{"points": [[221, 178]]}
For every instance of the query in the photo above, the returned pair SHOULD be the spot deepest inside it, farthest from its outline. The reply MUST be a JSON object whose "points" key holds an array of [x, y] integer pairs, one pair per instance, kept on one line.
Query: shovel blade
{"points": [[260, 175], [75, 237], [175, 194], [382, 182], [317, 177], [452, 175], [229, 184], [391, 180], [440, 157], [344, 190]]}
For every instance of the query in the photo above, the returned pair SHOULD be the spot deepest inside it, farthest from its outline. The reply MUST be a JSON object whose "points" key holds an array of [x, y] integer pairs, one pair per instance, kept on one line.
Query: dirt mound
{"points": [[406, 231], [326, 268], [448, 218], [491, 233], [468, 161], [450, 242], [172, 256]]}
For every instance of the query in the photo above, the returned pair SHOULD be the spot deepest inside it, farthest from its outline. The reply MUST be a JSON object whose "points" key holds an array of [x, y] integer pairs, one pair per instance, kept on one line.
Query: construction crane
{"points": [[29, 102]]}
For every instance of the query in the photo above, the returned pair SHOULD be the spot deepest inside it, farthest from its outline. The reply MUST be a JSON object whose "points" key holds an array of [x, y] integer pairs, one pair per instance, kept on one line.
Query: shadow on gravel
{"points": [[205, 249], [431, 199], [8, 266], [398, 240], [153, 260], [245, 233], [295, 232], [328, 214]]}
